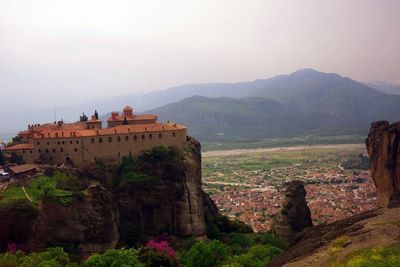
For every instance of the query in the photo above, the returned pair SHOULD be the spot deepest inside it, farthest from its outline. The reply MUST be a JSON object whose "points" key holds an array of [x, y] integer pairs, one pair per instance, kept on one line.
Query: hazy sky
{"points": [[75, 50]]}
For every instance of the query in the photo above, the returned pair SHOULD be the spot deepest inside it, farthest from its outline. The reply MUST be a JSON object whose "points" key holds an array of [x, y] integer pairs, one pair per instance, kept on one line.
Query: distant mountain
{"points": [[306, 92], [386, 88], [304, 102]]}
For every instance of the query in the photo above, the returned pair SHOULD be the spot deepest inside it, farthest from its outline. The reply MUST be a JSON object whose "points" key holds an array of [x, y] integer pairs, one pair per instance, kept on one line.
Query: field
{"points": [[248, 184]]}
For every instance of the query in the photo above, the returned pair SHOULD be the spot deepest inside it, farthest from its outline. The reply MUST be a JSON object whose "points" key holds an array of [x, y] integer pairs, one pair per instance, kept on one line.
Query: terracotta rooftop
{"points": [[19, 147], [120, 129], [22, 168]]}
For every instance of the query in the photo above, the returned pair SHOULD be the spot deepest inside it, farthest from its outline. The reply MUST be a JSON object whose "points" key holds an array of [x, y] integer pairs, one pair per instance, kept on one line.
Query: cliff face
{"points": [[295, 214], [87, 225], [109, 210], [174, 204], [384, 150]]}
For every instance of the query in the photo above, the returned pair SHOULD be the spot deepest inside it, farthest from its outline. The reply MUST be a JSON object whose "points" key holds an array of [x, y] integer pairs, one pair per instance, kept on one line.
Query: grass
{"points": [[373, 257], [43, 187]]}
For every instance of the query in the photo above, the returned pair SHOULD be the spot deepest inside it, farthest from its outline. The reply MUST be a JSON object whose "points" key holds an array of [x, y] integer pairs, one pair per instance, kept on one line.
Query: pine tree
{"points": [[2, 160], [125, 121], [96, 114]]}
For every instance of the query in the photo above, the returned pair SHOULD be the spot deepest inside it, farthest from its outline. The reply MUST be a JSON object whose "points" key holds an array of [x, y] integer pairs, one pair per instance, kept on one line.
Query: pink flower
{"points": [[161, 247]]}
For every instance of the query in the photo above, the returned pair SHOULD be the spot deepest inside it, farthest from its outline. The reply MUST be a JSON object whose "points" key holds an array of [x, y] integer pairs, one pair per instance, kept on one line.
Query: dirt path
{"points": [[235, 152]]}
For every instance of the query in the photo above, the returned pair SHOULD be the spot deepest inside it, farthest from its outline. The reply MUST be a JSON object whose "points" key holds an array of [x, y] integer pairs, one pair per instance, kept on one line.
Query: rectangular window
{"points": [[118, 139], [160, 136], [150, 136], [135, 137], [143, 137], [70, 142], [110, 139], [77, 142], [126, 138], [92, 140], [100, 140], [173, 134]]}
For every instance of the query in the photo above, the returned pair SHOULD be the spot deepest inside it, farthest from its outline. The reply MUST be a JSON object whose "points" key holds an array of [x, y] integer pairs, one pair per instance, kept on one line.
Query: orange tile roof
{"points": [[120, 129], [19, 147], [134, 117]]}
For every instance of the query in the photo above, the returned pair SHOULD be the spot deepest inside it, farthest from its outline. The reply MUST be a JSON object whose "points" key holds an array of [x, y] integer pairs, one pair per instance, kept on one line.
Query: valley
{"points": [[247, 184]]}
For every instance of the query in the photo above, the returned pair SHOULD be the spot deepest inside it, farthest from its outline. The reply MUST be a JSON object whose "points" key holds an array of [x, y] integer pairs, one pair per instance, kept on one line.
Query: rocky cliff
{"points": [[174, 204], [295, 214], [384, 150], [107, 208]]}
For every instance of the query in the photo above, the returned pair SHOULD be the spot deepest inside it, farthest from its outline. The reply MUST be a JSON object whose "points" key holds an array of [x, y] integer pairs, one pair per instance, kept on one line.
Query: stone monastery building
{"points": [[86, 140]]}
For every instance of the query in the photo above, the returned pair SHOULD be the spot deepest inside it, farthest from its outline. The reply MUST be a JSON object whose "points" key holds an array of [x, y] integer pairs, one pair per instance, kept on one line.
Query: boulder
{"points": [[384, 150], [295, 214]]}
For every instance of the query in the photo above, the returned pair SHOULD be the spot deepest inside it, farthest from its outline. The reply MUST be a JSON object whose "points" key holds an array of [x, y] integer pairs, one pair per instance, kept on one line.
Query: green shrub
{"points": [[52, 257], [374, 257], [114, 258], [257, 256], [205, 254]]}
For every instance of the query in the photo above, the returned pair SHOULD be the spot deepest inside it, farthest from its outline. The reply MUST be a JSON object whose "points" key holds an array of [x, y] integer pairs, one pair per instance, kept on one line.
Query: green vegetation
{"points": [[114, 258], [374, 257], [15, 158], [52, 257], [307, 140], [150, 166], [60, 189], [2, 159]]}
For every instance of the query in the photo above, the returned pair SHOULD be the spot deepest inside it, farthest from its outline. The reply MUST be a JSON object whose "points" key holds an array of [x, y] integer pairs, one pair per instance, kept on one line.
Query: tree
{"points": [[206, 254], [125, 121], [114, 257], [2, 160], [96, 115], [15, 158]]}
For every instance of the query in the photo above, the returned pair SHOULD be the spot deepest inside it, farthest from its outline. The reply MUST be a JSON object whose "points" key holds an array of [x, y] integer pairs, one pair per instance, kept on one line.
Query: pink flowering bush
{"points": [[14, 247], [162, 247]]}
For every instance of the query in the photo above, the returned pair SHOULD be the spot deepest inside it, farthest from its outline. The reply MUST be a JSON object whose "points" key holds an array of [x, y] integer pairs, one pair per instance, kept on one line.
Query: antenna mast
{"points": [[54, 109]]}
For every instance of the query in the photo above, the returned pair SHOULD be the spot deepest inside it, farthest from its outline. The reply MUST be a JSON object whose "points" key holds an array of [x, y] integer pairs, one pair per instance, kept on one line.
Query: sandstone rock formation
{"points": [[383, 146], [109, 211], [175, 204], [90, 224], [330, 244], [295, 214]]}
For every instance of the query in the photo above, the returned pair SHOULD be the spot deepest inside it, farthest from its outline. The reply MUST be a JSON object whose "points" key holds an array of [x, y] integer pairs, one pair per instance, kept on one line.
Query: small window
{"points": [[126, 138], [92, 140], [110, 139], [61, 150], [173, 134], [119, 154], [77, 142], [135, 137], [118, 139], [63, 142], [150, 136], [47, 151], [48, 143], [38, 143], [58, 143], [23, 151], [40, 151], [30, 151], [143, 137], [76, 150], [159, 135], [54, 150], [70, 142]]}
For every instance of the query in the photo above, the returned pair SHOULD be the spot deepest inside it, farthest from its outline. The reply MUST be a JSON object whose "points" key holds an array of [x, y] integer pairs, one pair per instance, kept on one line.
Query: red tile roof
{"points": [[19, 147], [133, 118]]}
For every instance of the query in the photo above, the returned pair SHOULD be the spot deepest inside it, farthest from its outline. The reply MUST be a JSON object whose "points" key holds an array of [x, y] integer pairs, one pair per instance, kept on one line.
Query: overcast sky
{"points": [[76, 50]]}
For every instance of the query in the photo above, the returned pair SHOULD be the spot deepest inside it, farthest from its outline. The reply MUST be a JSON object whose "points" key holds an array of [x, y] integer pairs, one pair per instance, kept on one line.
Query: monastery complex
{"points": [[86, 140]]}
